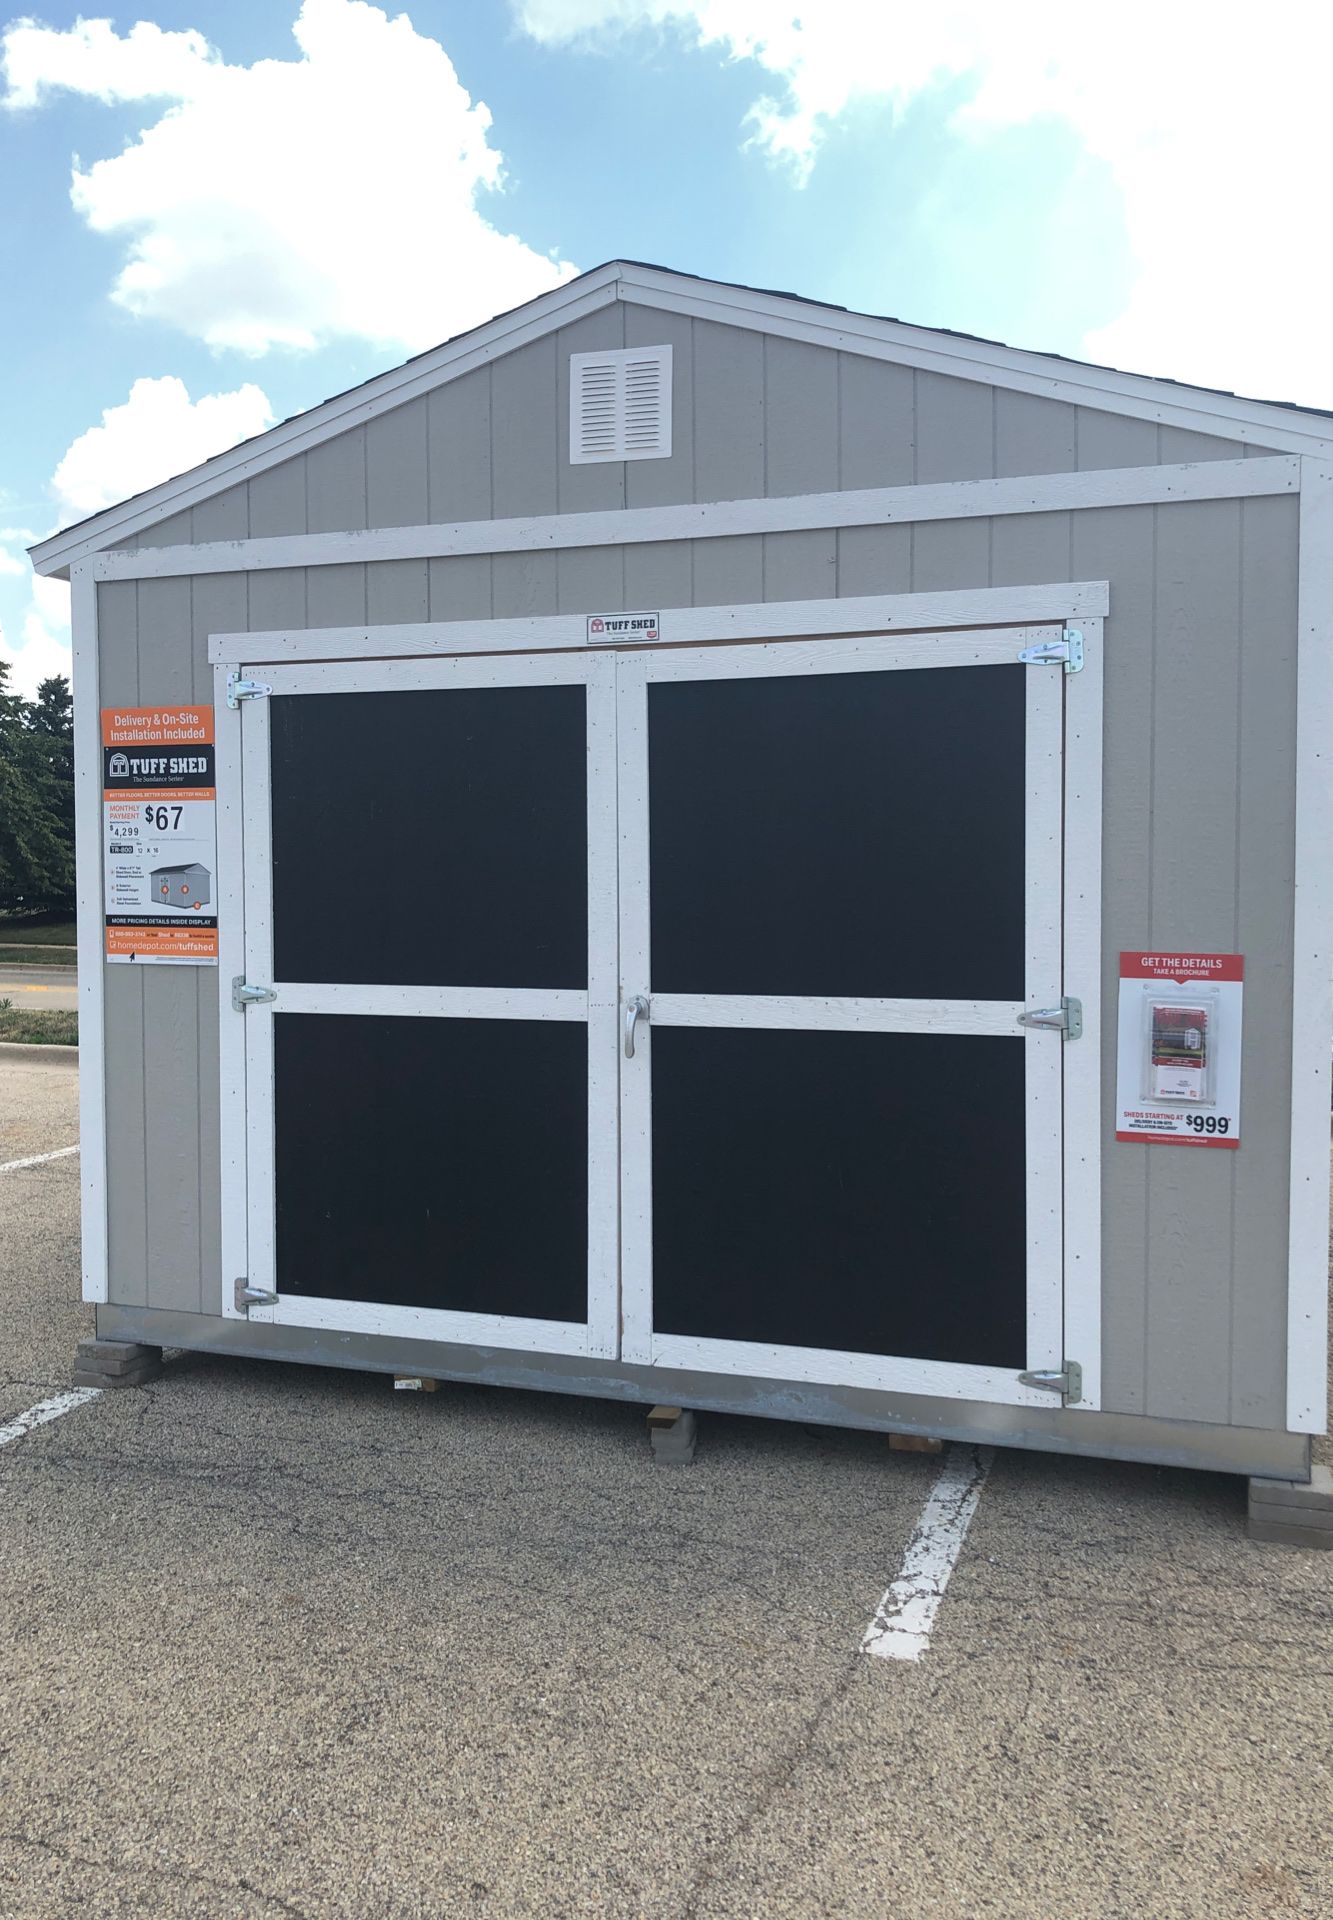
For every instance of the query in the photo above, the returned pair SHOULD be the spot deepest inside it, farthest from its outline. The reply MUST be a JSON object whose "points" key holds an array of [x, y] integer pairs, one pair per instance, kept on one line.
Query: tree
{"points": [[36, 799], [51, 718]]}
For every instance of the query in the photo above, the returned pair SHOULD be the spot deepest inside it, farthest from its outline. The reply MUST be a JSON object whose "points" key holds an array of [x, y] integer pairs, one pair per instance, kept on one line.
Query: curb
{"points": [[34, 1051]]}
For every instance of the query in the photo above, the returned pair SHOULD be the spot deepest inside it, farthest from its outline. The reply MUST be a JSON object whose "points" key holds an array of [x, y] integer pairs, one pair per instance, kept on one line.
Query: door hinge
{"points": [[248, 1296], [243, 996], [1067, 1018], [1066, 652], [239, 689], [1066, 1380]]}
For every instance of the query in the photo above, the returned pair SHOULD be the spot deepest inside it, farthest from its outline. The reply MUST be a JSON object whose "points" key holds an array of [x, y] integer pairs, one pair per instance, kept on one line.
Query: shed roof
{"points": [[1277, 424]]}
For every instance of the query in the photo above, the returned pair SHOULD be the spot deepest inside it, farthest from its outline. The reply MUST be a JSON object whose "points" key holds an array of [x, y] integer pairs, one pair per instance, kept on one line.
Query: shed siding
{"points": [[1199, 841], [1199, 831], [752, 415]]}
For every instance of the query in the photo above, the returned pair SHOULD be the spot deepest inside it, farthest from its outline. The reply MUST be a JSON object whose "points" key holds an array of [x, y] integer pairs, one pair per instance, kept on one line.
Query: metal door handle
{"points": [[635, 1010]]}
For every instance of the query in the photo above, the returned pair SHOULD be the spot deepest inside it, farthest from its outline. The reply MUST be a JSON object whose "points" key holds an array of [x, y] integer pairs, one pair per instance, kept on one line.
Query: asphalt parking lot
{"points": [[278, 1641]]}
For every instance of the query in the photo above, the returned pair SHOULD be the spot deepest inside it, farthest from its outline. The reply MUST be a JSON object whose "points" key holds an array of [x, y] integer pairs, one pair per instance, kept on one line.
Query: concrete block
{"points": [[1316, 1493], [1279, 1533], [672, 1430], [1293, 1513], [115, 1363]]}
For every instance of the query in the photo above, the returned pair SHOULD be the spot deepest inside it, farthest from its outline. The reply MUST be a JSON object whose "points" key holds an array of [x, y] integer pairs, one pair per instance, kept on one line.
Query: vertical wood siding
{"points": [[1200, 728]]}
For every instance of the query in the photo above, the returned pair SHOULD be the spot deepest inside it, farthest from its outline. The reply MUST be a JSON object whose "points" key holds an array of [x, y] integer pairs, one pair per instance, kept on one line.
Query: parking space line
{"points": [[36, 1159], [905, 1617], [47, 1410]]}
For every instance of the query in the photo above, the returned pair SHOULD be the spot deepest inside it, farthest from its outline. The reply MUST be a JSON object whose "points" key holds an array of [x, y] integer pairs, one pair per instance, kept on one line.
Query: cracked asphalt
{"points": [[280, 1641]]}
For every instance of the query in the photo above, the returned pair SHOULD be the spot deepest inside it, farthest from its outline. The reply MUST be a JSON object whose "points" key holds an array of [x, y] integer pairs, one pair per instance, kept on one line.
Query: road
{"points": [[41, 989], [278, 1641]]}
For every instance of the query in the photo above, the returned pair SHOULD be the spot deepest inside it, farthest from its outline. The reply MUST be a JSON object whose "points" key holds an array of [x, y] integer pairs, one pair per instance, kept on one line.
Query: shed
{"points": [[182, 887], [743, 829]]}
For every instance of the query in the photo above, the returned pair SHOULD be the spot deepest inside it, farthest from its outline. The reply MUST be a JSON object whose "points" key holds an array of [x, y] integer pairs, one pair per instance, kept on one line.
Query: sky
{"points": [[213, 217]]}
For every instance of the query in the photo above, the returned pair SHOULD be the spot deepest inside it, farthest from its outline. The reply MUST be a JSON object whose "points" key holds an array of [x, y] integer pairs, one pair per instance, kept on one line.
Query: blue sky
{"points": [[210, 219]]}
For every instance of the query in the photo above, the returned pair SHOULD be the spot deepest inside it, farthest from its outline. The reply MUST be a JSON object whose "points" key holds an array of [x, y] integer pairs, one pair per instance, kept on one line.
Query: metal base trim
{"points": [[1256, 1451]]}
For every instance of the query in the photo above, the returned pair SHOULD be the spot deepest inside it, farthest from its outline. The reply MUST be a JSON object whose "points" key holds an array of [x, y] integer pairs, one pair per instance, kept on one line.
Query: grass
{"points": [[35, 956], [58, 1029], [37, 930]]}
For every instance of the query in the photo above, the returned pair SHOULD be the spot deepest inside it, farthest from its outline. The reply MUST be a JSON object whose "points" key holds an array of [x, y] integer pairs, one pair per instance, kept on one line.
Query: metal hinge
{"points": [[243, 996], [1067, 1017], [248, 1296], [1068, 1380], [1066, 652], [239, 689]]}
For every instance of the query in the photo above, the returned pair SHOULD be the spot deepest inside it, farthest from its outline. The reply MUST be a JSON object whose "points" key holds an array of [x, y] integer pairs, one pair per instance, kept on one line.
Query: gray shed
{"points": [[743, 829], [182, 887]]}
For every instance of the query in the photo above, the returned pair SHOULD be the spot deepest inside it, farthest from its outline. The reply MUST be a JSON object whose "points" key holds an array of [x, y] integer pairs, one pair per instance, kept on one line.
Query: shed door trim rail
{"points": [[686, 626]]}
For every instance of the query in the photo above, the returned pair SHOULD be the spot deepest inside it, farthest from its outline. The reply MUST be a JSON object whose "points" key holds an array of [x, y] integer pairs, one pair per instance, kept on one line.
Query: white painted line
{"points": [[36, 1159], [905, 1617], [47, 1410]]}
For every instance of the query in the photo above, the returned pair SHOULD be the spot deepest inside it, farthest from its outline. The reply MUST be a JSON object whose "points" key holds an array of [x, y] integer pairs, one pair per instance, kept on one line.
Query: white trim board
{"points": [[1312, 970], [1081, 1059], [722, 519], [91, 927], [1135, 395], [689, 626]]}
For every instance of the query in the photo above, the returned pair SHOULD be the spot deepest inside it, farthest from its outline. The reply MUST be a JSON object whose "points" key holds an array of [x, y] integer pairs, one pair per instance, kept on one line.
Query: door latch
{"points": [[635, 1010]]}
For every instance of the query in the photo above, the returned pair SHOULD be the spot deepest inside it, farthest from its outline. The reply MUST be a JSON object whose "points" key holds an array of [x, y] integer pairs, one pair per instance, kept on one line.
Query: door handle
{"points": [[635, 1010]]}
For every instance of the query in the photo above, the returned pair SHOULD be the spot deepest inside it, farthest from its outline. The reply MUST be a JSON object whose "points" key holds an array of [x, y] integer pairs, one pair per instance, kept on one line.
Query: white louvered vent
{"points": [[620, 405]]}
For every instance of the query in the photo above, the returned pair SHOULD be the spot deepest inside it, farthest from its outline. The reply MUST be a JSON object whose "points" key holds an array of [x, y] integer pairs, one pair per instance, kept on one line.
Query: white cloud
{"points": [[1212, 123], [293, 201], [146, 64], [43, 623], [158, 432]]}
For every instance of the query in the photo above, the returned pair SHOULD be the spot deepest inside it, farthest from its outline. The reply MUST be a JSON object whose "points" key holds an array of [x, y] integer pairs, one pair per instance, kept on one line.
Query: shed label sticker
{"points": [[159, 835], [1178, 1056], [615, 629]]}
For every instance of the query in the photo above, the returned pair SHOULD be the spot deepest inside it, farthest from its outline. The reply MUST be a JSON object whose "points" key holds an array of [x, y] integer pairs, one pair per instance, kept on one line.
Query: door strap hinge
{"points": [[1066, 652], [1067, 1018], [239, 689], [1067, 1381], [243, 996], [248, 1296]]}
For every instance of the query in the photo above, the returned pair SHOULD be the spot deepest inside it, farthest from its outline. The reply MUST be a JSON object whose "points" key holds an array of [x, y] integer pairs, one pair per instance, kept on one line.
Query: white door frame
{"points": [[1006, 613], [1044, 1047], [248, 1202]]}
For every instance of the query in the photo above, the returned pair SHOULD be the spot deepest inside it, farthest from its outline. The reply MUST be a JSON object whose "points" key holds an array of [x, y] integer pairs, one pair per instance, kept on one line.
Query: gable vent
{"points": [[620, 405]]}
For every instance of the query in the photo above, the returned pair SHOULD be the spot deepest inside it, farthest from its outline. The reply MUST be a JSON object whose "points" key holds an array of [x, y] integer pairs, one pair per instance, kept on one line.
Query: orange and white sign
{"points": [[159, 842]]}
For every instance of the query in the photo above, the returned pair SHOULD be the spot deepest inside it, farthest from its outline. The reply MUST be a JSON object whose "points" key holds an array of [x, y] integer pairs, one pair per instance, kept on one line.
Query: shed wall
{"points": [[1199, 839], [1200, 733]]}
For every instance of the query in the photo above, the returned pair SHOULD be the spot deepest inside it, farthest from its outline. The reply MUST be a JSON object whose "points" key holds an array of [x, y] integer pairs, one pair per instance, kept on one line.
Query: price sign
{"points": [[159, 808], [1178, 1053]]}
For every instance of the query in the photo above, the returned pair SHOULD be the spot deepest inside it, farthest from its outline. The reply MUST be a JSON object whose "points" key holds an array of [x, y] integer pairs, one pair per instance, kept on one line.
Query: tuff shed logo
{"points": [[619, 628]]}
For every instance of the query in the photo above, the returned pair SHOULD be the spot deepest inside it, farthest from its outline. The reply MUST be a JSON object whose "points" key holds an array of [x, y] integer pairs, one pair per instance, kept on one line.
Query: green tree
{"points": [[51, 717], [36, 800]]}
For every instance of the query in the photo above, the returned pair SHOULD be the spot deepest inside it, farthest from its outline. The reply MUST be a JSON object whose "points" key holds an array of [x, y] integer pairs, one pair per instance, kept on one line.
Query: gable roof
{"points": [[1276, 424]]}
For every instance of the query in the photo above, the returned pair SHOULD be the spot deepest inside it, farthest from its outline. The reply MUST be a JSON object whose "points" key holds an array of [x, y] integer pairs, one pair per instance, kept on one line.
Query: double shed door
{"points": [[664, 1005]]}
